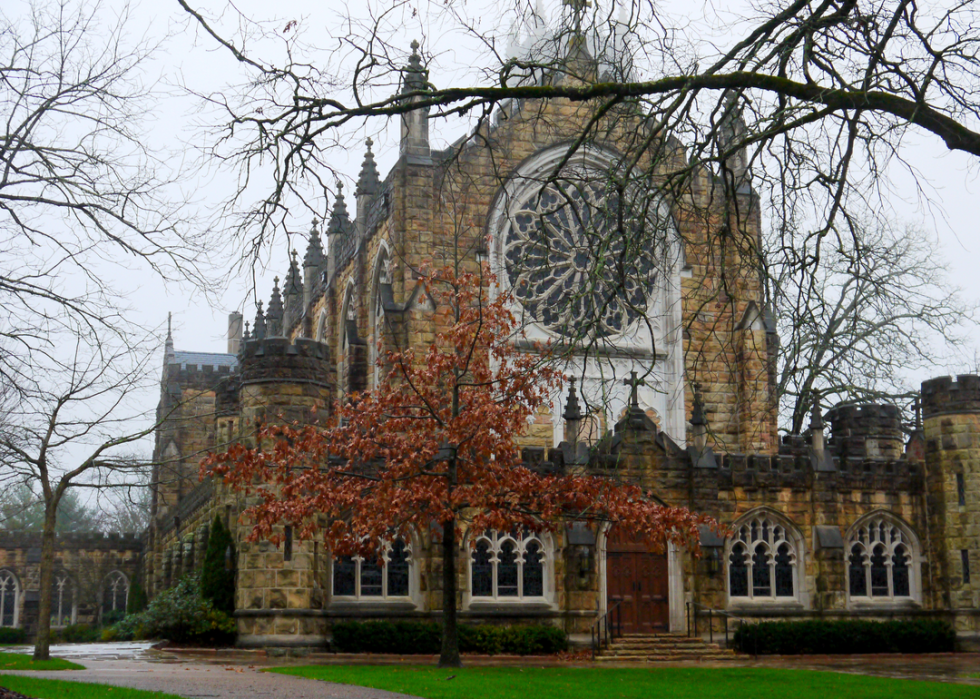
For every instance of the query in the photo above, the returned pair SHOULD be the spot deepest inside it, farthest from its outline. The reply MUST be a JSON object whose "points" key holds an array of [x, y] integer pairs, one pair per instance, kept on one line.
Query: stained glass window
{"points": [[533, 570], [580, 253], [398, 570], [482, 570]]}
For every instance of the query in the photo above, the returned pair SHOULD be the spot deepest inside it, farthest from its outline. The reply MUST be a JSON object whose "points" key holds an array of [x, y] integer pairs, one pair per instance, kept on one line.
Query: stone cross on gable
{"points": [[634, 383]]}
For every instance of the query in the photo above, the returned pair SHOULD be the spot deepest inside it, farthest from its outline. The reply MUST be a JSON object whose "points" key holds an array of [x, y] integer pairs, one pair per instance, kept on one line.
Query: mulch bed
{"points": [[7, 694]]}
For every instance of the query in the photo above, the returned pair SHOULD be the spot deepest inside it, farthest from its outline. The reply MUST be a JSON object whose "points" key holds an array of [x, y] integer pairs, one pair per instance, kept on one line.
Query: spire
{"points": [[169, 356], [314, 250], [368, 182], [294, 281], [259, 328], [415, 77], [273, 315], [572, 415], [339, 218]]}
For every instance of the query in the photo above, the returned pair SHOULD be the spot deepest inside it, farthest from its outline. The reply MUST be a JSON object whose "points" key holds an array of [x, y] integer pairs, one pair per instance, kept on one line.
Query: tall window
{"points": [[358, 577], [8, 598], [510, 567], [116, 593], [879, 561], [762, 563], [62, 601]]}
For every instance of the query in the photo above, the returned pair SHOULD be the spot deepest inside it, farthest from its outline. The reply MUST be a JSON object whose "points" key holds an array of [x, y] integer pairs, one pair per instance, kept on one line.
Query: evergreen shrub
{"points": [[425, 638], [12, 635], [76, 633], [845, 637], [217, 583], [136, 602], [180, 615]]}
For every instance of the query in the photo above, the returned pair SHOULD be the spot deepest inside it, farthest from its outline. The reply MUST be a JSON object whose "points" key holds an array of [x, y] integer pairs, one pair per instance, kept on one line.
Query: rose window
{"points": [[580, 258]]}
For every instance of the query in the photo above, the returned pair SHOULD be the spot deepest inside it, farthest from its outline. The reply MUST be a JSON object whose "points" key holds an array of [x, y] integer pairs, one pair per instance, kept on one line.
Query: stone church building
{"points": [[608, 258]]}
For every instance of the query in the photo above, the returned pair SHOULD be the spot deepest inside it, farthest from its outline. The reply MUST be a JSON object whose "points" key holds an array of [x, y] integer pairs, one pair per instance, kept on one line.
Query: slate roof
{"points": [[205, 359]]}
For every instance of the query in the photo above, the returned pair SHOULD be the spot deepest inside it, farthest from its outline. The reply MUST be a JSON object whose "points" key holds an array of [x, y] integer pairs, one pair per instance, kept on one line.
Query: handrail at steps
{"points": [[696, 610], [604, 627]]}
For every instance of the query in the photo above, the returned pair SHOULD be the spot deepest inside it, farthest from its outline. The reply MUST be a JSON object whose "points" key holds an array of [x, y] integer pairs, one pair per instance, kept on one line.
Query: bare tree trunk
{"points": [[450, 637], [42, 642]]}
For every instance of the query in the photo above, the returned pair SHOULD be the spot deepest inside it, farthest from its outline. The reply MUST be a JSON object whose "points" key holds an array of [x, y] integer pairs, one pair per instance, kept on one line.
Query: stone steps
{"points": [[661, 648]]}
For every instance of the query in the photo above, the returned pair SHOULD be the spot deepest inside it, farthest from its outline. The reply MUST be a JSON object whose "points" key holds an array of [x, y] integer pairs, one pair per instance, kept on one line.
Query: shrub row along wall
{"points": [[845, 637], [425, 638]]}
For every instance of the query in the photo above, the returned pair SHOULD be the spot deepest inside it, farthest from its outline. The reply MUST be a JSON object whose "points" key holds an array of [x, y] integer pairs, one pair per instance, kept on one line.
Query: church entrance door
{"points": [[637, 580]]}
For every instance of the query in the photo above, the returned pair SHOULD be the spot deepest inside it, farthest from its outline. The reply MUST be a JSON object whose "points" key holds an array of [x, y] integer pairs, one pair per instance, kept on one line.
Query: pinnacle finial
{"points": [[415, 46], [169, 316]]}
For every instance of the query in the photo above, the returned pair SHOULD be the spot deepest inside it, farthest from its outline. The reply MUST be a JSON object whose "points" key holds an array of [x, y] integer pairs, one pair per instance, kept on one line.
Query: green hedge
{"points": [[11, 635], [423, 637], [845, 637]]}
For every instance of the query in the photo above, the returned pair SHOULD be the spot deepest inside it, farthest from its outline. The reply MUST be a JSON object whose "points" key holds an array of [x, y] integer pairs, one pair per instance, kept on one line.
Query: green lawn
{"points": [[22, 661], [596, 683], [59, 689]]}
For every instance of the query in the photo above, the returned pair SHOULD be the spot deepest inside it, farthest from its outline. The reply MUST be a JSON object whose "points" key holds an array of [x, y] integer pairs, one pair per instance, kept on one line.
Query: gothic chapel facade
{"points": [[860, 523]]}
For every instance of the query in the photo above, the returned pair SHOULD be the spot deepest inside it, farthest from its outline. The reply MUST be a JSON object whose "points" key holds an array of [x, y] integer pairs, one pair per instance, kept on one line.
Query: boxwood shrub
{"points": [[425, 637], [845, 637]]}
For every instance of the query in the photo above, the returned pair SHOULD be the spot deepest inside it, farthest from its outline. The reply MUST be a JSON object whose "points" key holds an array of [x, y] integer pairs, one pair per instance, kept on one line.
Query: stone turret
{"points": [[867, 432], [313, 263], [415, 124], [951, 426], [274, 313]]}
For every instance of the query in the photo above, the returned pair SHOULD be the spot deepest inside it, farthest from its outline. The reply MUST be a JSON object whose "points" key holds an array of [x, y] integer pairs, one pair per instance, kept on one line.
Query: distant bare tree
{"points": [[82, 187], [76, 425], [873, 309]]}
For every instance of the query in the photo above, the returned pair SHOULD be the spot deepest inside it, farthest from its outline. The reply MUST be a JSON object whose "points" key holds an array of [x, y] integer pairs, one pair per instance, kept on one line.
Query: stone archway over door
{"points": [[637, 580]]}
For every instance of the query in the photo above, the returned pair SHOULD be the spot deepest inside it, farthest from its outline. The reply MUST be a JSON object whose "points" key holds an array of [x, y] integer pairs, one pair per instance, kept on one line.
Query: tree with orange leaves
{"points": [[436, 442]]}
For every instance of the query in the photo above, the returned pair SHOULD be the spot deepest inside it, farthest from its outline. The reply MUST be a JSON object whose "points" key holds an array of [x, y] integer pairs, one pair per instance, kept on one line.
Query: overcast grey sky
{"points": [[188, 57]]}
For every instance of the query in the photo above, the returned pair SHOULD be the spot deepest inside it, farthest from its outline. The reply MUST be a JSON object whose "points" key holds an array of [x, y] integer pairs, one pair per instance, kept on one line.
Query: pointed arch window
{"points": [[880, 561], [9, 593], [763, 562], [62, 601], [508, 567], [368, 578], [116, 593]]}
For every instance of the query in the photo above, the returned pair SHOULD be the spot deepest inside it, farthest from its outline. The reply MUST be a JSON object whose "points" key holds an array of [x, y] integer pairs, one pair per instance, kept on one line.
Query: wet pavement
{"points": [[227, 674]]}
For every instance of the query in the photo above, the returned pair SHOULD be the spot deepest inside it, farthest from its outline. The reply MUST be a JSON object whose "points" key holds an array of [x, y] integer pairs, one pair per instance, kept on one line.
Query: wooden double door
{"points": [[637, 580]]}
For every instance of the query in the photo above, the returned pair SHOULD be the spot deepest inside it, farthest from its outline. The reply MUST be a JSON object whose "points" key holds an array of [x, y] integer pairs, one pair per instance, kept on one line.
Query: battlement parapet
{"points": [[795, 471], [127, 541], [274, 359], [948, 394]]}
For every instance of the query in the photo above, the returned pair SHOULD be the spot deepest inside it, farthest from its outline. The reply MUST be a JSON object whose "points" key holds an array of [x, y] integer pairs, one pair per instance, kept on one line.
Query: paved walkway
{"points": [[236, 674]]}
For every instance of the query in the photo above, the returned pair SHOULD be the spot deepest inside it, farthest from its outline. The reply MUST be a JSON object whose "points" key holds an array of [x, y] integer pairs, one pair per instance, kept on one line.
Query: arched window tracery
{"points": [[763, 561], [116, 592], [368, 578], [880, 560], [62, 601], [508, 567], [9, 593]]}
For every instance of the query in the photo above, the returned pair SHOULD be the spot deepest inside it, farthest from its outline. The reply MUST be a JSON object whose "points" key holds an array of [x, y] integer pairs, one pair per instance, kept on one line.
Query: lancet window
{"points": [[880, 561]]}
